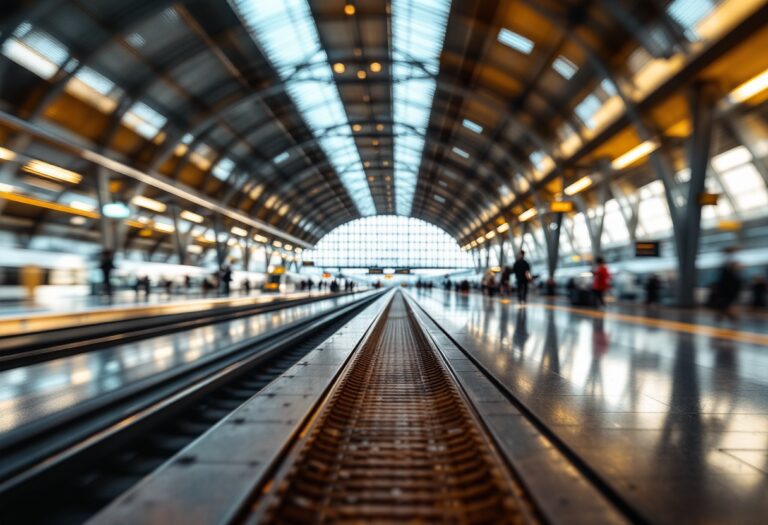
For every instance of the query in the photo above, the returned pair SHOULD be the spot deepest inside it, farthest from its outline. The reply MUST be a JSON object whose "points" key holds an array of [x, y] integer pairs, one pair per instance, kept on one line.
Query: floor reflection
{"points": [[676, 421]]}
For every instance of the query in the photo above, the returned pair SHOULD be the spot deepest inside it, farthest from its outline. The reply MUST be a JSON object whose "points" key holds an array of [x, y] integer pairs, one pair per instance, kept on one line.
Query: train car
{"points": [[279, 280]]}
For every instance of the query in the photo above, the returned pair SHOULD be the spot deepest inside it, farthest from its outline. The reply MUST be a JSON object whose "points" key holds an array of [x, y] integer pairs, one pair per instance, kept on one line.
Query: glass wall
{"points": [[388, 241]]}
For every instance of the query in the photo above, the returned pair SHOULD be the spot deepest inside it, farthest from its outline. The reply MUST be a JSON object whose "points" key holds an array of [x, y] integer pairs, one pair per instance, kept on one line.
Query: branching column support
{"points": [[180, 240], [687, 217]]}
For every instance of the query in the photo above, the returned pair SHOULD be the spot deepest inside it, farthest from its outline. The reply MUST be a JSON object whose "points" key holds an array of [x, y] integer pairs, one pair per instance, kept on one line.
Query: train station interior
{"points": [[383, 261]]}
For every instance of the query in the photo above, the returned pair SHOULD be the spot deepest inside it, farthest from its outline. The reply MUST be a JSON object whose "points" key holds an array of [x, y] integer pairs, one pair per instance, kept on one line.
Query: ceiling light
{"points": [[375, 142], [349, 10], [357, 127], [277, 244], [164, 228], [472, 126], [367, 163], [379, 127], [460, 152], [6, 154], [84, 206], [750, 88], [386, 163], [77, 220], [515, 41], [116, 210], [480, 240], [490, 235], [565, 67], [260, 238], [527, 214], [195, 248], [580, 185], [502, 228], [191, 216], [7, 188], [50, 171], [361, 74], [237, 230], [635, 154], [375, 67], [339, 68], [150, 204], [288, 247]]}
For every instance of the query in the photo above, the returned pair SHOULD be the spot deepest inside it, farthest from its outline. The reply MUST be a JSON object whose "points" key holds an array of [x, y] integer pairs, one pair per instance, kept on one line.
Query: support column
{"points": [[688, 218], [178, 238], [103, 196], [221, 247], [552, 238]]}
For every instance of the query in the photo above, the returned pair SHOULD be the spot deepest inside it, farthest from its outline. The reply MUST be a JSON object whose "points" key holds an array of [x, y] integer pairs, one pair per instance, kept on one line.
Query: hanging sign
{"points": [[561, 206], [647, 249]]}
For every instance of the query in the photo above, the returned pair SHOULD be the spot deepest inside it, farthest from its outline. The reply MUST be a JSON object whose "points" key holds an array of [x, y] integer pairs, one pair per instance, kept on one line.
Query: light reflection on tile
{"points": [[42, 389], [649, 408]]}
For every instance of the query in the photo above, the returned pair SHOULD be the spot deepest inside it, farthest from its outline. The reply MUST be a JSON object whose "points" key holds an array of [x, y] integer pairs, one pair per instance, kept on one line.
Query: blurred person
{"points": [[226, 279], [726, 290], [107, 264], [504, 288], [246, 287], [488, 282], [522, 271], [187, 283], [759, 290], [652, 289], [601, 282]]}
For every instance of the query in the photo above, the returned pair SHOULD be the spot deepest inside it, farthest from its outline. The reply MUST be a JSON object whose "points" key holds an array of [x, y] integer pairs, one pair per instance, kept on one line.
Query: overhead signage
{"points": [[307, 263], [561, 206], [326, 275], [708, 199], [403, 271], [647, 249], [375, 271]]}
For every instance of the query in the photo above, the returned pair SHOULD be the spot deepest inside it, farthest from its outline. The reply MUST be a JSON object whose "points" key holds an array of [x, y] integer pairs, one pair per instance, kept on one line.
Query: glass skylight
{"points": [[418, 31], [688, 13], [223, 168], [515, 41], [144, 120], [565, 67], [35, 50], [472, 126], [286, 31]]}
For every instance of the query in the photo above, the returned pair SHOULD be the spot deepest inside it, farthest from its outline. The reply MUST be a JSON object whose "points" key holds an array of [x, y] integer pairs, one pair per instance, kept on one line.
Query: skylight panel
{"points": [[418, 32], [144, 120], [587, 108], [472, 126], [223, 168], [565, 67], [515, 41], [36, 51], [688, 13], [286, 31]]}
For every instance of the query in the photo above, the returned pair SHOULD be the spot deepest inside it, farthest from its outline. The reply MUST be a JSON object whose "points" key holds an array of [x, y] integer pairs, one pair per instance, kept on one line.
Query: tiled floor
{"points": [[40, 390], [672, 415]]}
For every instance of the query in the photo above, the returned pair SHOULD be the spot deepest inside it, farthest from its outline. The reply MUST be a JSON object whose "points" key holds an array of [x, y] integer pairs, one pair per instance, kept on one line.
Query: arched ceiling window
{"points": [[388, 241]]}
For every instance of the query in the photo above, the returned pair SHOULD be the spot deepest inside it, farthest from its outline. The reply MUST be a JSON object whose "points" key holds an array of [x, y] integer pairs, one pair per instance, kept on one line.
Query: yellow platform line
{"points": [[677, 326]]}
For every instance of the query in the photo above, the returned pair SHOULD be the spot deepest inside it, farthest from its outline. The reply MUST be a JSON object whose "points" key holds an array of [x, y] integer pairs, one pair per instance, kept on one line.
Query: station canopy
{"points": [[307, 114]]}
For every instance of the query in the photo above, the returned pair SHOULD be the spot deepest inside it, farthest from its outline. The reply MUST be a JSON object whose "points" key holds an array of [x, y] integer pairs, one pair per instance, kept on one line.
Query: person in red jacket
{"points": [[601, 281]]}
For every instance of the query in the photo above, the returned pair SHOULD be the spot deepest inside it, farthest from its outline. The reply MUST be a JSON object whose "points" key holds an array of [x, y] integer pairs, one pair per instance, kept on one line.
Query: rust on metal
{"points": [[395, 443]]}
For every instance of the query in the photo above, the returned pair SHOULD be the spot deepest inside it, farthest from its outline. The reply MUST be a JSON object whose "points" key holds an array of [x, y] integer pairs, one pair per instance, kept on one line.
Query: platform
{"points": [[39, 391], [671, 415]]}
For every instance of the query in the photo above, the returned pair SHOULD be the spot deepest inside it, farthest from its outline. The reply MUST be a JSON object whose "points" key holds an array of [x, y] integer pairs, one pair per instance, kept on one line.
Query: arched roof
{"points": [[508, 78]]}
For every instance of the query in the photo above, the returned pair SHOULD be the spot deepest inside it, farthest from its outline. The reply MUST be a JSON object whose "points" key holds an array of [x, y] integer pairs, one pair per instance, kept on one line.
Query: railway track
{"points": [[81, 463], [395, 441]]}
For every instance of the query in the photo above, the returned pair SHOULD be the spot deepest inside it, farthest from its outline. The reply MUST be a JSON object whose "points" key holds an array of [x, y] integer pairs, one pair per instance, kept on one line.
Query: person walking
{"points": [[107, 264], [522, 271], [601, 282], [727, 290]]}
